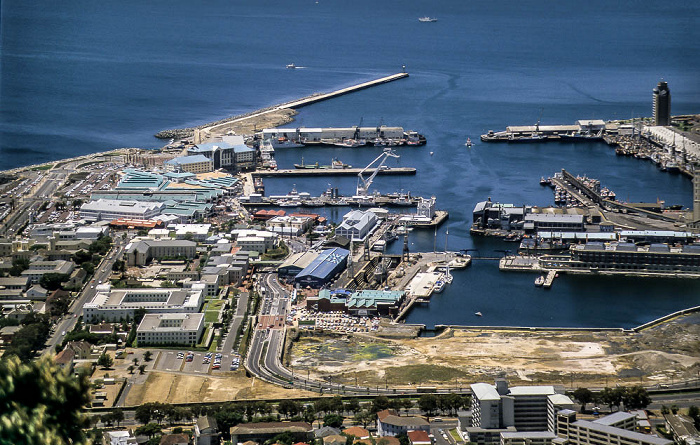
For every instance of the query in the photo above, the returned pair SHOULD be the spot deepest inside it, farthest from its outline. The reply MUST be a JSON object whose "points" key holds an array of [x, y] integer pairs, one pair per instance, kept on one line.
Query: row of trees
{"points": [[633, 397]]}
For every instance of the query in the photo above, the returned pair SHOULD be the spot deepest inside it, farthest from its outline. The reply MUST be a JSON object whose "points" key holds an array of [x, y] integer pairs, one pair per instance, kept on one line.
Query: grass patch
{"points": [[211, 316], [43, 167], [424, 374], [455, 436]]}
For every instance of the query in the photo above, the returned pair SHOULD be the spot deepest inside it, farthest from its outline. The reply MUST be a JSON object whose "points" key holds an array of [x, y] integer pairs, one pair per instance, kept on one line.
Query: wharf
{"points": [[551, 275], [314, 172], [439, 218]]}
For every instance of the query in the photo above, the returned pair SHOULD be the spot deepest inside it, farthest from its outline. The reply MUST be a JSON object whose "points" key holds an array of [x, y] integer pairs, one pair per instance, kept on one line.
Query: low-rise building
{"points": [[528, 438], [111, 209], [263, 431], [21, 283], [357, 225], [170, 329], [38, 269], [324, 268], [389, 423], [139, 253], [191, 164], [682, 428], [206, 431], [289, 225], [584, 432], [255, 240], [119, 304]]}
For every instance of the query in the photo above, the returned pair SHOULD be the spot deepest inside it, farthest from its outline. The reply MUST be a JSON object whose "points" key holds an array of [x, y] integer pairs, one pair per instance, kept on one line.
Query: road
{"points": [[102, 273], [237, 319]]}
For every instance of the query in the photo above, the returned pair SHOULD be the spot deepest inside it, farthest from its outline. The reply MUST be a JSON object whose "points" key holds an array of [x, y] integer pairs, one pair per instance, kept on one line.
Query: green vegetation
{"points": [[276, 254], [41, 404], [30, 337], [43, 167]]}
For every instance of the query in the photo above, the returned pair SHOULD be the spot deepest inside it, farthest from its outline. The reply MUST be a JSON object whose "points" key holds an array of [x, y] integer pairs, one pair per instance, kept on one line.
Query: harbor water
{"points": [[92, 76]]}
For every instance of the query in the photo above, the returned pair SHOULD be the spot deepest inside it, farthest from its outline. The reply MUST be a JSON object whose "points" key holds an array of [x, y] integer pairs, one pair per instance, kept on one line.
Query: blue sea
{"points": [[86, 76]]}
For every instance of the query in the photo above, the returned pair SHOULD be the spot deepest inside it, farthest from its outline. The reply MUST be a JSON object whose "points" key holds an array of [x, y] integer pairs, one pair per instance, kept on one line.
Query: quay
{"points": [[315, 172], [551, 275]]}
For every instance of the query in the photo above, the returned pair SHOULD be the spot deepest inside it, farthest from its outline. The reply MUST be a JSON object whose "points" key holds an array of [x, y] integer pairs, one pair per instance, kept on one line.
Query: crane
{"points": [[363, 184]]}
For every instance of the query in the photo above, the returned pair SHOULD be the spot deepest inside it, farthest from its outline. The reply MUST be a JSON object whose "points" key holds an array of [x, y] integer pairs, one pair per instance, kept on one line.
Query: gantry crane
{"points": [[363, 184]]}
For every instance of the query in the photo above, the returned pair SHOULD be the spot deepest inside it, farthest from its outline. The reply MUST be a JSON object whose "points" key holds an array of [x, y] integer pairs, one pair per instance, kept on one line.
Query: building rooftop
{"points": [[170, 322], [271, 428], [531, 390], [484, 391], [613, 418], [645, 438]]}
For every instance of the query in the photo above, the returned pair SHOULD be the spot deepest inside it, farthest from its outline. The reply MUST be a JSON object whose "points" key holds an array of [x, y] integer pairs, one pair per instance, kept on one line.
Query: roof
{"points": [[409, 421], [560, 399], [531, 390], [484, 391], [644, 438], [418, 436], [681, 425], [64, 357], [194, 159], [614, 418], [381, 415], [356, 431], [270, 428], [326, 431], [174, 439], [334, 438], [528, 435], [325, 263]]}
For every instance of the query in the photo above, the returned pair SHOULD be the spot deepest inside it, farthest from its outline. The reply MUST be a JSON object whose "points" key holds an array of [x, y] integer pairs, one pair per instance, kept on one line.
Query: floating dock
{"points": [[551, 275], [314, 172]]}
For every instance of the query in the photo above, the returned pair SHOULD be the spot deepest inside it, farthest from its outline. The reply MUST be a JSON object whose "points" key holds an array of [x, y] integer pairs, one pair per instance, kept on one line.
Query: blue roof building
{"points": [[323, 268]]}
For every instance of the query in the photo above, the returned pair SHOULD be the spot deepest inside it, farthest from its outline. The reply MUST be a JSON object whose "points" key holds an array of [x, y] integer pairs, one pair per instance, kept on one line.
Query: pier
{"points": [[315, 172], [551, 275]]}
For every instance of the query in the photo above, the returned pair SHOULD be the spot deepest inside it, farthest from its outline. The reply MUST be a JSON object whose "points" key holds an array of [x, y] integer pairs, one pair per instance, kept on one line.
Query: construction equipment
{"points": [[363, 184]]}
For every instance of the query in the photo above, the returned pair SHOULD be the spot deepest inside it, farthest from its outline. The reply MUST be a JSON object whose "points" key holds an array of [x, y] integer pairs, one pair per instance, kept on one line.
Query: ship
{"points": [[335, 164], [427, 19]]}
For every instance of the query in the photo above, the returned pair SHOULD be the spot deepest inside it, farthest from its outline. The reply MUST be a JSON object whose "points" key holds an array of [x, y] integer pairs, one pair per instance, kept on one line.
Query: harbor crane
{"points": [[363, 184]]}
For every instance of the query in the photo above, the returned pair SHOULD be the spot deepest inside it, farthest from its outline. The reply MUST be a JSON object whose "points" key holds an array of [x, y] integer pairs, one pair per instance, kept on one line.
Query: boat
{"points": [[291, 66], [427, 19], [468, 143], [431, 153], [478, 314], [285, 142], [544, 182], [335, 164], [289, 203], [461, 262], [313, 203], [379, 246], [448, 276], [672, 167], [351, 143], [539, 281], [439, 286]]}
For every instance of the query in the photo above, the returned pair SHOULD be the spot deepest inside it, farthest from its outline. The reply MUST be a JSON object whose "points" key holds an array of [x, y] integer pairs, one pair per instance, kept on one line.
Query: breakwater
{"points": [[180, 133]]}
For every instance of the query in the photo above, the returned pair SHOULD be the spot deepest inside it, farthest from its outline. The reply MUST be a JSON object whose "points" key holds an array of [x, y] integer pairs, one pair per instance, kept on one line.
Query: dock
{"points": [[551, 275], [315, 172]]}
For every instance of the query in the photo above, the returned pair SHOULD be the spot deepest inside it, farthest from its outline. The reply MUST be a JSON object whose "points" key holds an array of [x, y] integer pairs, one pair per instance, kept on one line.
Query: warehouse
{"points": [[323, 268], [296, 263]]}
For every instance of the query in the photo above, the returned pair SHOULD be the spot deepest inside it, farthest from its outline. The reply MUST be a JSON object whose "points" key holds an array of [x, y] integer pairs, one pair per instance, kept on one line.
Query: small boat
{"points": [[439, 286], [478, 314], [431, 153], [539, 281], [543, 181], [427, 19], [291, 66], [460, 262], [468, 143]]}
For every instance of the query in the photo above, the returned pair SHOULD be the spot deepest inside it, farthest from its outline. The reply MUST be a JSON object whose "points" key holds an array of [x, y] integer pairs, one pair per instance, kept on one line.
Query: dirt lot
{"points": [[459, 357], [179, 388]]}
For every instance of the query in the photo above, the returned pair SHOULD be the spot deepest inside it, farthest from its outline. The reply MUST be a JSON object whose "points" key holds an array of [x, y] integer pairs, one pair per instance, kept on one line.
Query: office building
{"points": [[119, 304], [662, 104], [170, 329]]}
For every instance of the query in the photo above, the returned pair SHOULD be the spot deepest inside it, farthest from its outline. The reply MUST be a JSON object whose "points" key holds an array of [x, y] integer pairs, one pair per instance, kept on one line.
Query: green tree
{"points": [[612, 397], [288, 407], [105, 361], [52, 281], [150, 430], [352, 406], [636, 397], [403, 439], [380, 403], [584, 396], [142, 369], [333, 420], [694, 413], [147, 356], [428, 403], [41, 404], [19, 265], [118, 416]]}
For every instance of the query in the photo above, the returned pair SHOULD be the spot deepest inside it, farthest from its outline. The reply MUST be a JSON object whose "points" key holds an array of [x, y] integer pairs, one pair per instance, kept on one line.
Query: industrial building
{"points": [[110, 209], [170, 329], [119, 304], [357, 225], [359, 303], [323, 268], [295, 263]]}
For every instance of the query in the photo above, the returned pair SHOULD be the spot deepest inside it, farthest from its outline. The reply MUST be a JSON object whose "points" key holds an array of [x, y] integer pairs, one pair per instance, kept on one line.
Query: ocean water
{"points": [[91, 76]]}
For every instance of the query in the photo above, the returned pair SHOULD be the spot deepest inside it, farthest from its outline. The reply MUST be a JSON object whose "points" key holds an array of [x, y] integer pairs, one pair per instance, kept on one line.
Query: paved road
{"points": [[237, 319]]}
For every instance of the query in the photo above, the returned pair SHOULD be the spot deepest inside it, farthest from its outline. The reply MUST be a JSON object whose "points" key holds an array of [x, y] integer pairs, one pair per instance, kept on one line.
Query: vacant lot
{"points": [[459, 357]]}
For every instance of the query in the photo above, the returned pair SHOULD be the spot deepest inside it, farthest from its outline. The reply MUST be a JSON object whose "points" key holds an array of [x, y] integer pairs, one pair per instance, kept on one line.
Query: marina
{"points": [[348, 171]]}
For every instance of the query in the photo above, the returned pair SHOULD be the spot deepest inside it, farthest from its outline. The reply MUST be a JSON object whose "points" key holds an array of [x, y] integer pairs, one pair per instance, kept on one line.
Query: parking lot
{"points": [[191, 362]]}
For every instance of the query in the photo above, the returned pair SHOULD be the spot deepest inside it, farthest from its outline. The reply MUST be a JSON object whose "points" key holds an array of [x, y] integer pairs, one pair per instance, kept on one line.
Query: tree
{"points": [[147, 356], [105, 361], [364, 418], [19, 265], [352, 406], [52, 281], [288, 407], [150, 430], [131, 369], [636, 397], [41, 403], [143, 413], [612, 397], [584, 396], [142, 369], [118, 416], [428, 403], [333, 420], [403, 439], [694, 413], [380, 403]]}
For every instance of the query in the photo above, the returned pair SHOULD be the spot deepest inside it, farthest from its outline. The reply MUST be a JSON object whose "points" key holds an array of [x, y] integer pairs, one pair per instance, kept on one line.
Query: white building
{"points": [[255, 240], [289, 225], [528, 438], [117, 304], [198, 232], [357, 225], [139, 253], [118, 438], [111, 209], [170, 329], [584, 432], [38, 269]]}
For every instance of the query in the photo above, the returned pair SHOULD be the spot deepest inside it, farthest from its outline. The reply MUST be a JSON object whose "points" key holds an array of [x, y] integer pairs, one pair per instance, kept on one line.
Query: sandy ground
{"points": [[456, 357], [178, 388]]}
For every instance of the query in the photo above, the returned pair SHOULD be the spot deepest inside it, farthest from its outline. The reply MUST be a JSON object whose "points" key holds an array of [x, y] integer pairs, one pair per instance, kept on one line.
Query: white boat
{"points": [[289, 203], [283, 142], [478, 314], [291, 66], [539, 281], [431, 153], [427, 19], [439, 286], [460, 262], [468, 143]]}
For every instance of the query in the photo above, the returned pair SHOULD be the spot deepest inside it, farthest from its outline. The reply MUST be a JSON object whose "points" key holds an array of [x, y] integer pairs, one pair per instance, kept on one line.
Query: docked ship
{"points": [[335, 164]]}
